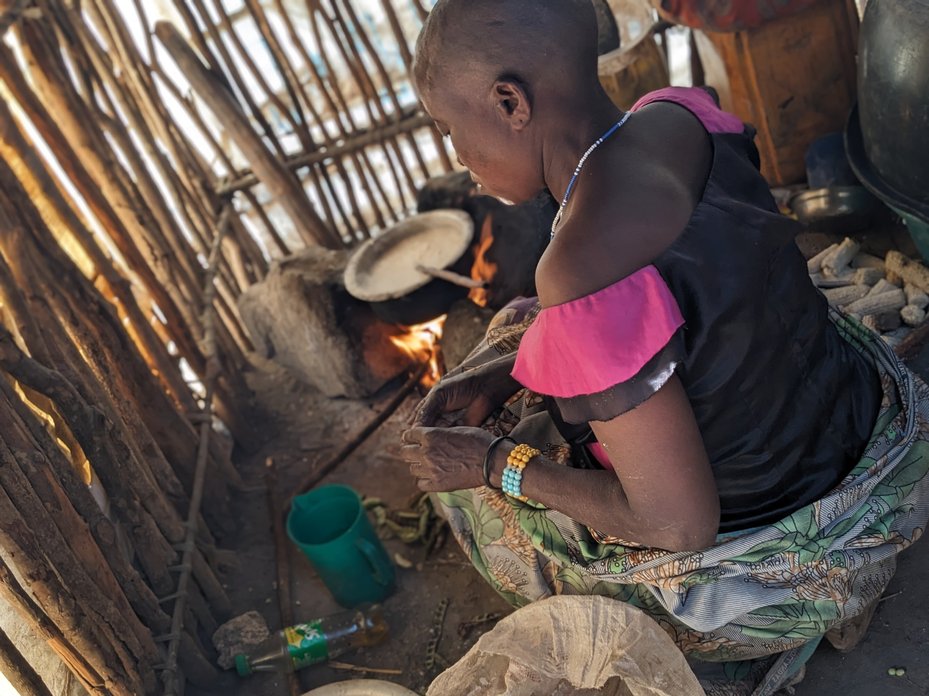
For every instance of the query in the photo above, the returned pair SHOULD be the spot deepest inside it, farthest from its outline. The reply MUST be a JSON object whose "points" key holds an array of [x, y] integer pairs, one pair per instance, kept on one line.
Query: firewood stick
{"points": [[356, 668], [329, 466], [451, 277]]}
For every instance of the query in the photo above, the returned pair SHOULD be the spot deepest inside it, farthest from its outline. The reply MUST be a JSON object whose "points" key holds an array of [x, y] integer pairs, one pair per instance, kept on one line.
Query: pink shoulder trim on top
{"points": [[595, 342], [699, 103]]}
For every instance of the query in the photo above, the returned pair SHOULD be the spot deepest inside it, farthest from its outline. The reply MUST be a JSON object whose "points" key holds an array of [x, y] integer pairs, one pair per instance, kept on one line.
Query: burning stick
{"points": [[324, 470]]}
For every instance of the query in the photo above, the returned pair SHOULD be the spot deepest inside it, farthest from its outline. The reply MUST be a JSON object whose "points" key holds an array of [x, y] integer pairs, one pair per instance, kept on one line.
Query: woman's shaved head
{"points": [[499, 77], [505, 39]]}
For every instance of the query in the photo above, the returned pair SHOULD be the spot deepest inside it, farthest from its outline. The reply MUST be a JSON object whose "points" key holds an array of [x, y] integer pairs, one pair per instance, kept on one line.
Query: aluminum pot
{"points": [[386, 271], [893, 92], [915, 213]]}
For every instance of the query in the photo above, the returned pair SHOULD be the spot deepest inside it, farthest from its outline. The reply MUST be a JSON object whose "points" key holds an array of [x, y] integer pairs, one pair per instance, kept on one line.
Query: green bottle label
{"points": [[307, 644]]}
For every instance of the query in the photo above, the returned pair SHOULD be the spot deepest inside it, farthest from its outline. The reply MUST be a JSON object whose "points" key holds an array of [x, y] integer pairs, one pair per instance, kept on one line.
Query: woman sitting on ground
{"points": [[689, 428]]}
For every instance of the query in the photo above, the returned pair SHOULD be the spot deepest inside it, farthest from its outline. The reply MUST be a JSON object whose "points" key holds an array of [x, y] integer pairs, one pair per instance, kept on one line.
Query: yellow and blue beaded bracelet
{"points": [[513, 473]]}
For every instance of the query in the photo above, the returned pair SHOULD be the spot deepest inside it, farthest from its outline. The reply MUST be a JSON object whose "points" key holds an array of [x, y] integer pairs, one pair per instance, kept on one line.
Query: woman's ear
{"points": [[511, 103]]}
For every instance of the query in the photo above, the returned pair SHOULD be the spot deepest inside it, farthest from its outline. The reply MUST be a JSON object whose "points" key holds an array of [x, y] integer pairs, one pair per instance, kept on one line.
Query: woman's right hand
{"points": [[467, 398]]}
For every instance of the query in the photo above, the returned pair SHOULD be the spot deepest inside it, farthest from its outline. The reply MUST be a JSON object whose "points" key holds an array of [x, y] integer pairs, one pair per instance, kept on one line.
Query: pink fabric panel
{"points": [[596, 449], [600, 340], [699, 103]]}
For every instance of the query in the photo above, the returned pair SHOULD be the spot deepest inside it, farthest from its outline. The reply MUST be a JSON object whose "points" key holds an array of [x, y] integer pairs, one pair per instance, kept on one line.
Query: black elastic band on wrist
{"points": [[488, 458]]}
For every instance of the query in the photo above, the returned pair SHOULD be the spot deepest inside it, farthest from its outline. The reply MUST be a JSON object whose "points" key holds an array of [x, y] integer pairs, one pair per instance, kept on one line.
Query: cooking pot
{"points": [[893, 92], [389, 271], [915, 213]]}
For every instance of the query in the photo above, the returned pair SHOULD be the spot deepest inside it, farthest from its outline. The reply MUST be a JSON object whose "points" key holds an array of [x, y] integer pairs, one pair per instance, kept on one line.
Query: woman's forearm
{"points": [[597, 499]]}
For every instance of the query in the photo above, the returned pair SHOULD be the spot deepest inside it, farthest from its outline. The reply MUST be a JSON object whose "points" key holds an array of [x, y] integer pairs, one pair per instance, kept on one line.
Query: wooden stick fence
{"points": [[144, 158]]}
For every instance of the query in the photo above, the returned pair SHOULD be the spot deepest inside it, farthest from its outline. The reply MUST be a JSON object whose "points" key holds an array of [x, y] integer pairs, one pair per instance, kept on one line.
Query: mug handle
{"points": [[370, 552]]}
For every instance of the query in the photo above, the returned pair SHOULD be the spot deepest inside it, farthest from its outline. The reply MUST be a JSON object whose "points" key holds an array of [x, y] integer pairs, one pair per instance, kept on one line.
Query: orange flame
{"points": [[421, 343], [482, 268]]}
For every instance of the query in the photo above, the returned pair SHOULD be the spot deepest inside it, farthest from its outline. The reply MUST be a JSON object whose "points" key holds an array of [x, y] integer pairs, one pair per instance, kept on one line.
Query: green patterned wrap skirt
{"points": [[762, 596]]}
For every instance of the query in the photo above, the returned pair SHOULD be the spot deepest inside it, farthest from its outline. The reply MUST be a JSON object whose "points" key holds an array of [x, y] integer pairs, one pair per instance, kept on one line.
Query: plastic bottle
{"points": [[313, 642]]}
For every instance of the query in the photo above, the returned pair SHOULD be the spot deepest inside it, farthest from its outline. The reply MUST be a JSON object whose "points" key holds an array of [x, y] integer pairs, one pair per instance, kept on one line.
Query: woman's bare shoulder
{"points": [[630, 207]]}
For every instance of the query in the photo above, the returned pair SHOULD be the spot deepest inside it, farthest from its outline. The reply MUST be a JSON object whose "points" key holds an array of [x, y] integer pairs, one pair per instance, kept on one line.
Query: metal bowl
{"points": [[837, 207]]}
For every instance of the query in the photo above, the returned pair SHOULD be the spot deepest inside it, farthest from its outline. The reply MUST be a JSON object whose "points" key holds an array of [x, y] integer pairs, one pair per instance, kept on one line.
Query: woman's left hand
{"points": [[446, 459]]}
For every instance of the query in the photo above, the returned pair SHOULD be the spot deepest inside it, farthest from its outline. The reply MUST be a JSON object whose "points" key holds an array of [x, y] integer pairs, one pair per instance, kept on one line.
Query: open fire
{"points": [[421, 343], [483, 269]]}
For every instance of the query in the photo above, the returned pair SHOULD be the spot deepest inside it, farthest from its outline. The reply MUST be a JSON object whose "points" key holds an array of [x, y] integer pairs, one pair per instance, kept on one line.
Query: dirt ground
{"points": [[303, 428]]}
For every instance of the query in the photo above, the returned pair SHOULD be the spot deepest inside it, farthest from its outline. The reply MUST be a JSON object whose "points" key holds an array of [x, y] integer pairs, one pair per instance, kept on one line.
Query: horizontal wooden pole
{"points": [[246, 179]]}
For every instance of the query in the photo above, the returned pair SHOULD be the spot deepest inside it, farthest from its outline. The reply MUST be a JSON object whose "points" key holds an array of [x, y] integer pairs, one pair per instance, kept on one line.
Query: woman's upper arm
{"points": [[659, 457]]}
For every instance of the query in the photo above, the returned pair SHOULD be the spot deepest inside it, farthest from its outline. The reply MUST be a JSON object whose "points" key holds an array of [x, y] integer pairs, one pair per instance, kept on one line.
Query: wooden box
{"points": [[631, 72], [794, 79]]}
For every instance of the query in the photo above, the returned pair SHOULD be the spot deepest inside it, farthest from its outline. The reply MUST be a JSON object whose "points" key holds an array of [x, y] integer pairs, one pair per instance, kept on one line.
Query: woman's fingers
{"points": [[445, 397], [477, 412], [445, 459], [414, 436], [431, 407]]}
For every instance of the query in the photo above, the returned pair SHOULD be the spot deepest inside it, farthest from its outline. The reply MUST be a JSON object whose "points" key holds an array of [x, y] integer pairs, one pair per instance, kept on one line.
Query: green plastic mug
{"points": [[330, 526]]}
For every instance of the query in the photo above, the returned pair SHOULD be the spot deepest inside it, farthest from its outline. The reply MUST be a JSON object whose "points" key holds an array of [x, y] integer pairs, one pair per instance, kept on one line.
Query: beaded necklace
{"points": [[580, 165]]}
